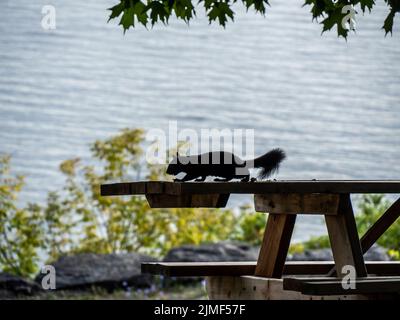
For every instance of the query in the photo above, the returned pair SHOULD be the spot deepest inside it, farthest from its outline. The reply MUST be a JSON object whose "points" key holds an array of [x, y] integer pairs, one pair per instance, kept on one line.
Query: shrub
{"points": [[250, 226], [20, 229], [77, 219], [123, 224], [370, 208]]}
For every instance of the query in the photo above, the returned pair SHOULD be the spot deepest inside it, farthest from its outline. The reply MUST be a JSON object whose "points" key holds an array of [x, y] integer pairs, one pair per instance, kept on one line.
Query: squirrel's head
{"points": [[174, 167]]}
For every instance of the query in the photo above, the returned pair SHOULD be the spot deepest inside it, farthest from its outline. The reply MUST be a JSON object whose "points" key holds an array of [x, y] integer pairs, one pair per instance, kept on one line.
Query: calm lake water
{"points": [[334, 106]]}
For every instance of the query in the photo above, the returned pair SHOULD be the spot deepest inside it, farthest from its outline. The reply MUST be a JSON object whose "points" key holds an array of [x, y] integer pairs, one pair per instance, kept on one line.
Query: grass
{"points": [[178, 292]]}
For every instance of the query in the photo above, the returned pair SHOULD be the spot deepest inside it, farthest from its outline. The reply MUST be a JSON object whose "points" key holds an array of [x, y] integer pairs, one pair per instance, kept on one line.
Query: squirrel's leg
{"points": [[202, 178], [223, 179], [186, 178]]}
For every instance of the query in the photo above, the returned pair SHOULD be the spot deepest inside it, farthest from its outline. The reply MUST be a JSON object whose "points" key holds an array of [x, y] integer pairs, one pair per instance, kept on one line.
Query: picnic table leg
{"points": [[275, 245], [344, 238], [283, 210], [380, 226]]}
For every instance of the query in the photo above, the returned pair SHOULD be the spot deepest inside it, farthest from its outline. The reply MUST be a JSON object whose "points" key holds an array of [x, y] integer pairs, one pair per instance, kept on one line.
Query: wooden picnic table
{"points": [[283, 201]]}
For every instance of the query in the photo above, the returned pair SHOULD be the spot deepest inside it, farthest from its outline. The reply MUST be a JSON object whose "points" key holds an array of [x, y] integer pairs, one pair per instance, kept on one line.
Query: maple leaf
{"points": [[259, 5], [116, 10], [158, 12], [220, 11], [364, 4], [335, 17], [127, 19], [388, 23]]}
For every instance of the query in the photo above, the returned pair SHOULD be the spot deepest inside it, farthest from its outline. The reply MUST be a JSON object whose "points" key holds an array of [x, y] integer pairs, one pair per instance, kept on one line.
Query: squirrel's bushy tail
{"points": [[269, 162]]}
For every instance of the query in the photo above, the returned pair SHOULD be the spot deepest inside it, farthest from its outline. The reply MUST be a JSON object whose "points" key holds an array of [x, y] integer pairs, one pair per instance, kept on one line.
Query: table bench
{"points": [[283, 201]]}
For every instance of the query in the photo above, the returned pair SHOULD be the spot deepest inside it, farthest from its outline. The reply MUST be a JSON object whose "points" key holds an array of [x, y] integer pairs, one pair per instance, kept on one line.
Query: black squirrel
{"points": [[225, 165]]}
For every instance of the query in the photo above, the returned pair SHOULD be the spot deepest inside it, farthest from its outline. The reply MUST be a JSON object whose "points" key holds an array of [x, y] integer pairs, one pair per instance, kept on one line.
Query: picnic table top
{"points": [[259, 187]]}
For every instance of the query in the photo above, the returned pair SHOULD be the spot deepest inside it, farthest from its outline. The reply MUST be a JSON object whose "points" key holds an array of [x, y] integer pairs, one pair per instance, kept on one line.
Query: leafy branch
{"points": [[332, 13]]}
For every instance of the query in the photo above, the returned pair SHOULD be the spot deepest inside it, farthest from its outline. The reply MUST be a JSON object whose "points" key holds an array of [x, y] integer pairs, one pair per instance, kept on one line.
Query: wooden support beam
{"points": [[157, 200], [275, 245], [380, 226], [333, 286], [295, 203], [203, 269], [344, 239]]}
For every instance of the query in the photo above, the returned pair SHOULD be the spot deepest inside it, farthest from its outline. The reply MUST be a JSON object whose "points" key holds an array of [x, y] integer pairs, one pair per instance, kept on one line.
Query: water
{"points": [[332, 105]]}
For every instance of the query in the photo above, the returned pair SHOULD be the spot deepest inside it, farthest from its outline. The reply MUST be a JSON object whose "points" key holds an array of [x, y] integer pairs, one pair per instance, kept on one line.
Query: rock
{"points": [[213, 252], [375, 253], [100, 270], [235, 251], [222, 251], [313, 255], [11, 285]]}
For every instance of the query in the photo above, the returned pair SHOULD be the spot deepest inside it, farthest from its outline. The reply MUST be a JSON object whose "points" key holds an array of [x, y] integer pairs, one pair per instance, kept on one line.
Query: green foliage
{"points": [[394, 6], [331, 12], [320, 242], [20, 233], [123, 224], [77, 219], [370, 208], [296, 248], [250, 226]]}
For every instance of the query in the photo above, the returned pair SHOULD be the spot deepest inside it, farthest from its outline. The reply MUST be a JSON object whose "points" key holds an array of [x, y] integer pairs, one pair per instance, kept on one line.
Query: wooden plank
{"points": [[275, 245], [380, 226], [255, 288], [383, 268], [344, 240], [209, 200], [295, 203], [261, 187], [375, 285], [155, 187], [199, 269], [202, 269], [119, 189], [157, 200], [168, 201]]}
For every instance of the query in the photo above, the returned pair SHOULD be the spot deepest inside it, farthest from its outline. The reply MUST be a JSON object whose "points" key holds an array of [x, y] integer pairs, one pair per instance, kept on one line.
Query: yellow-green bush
{"points": [[91, 223], [21, 235], [78, 219]]}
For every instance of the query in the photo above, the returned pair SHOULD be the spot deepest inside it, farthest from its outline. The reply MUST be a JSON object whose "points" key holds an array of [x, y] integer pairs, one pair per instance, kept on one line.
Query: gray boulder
{"points": [[11, 285], [235, 251], [375, 253], [313, 255], [213, 252], [101, 270]]}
